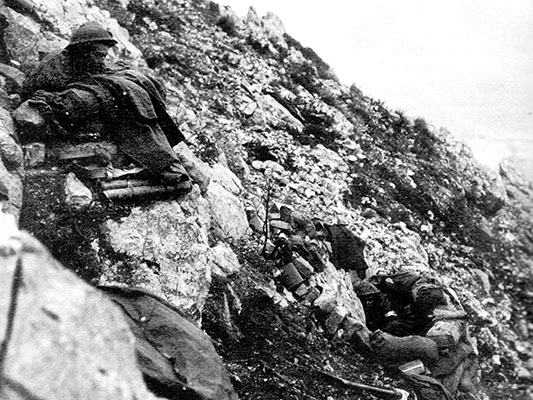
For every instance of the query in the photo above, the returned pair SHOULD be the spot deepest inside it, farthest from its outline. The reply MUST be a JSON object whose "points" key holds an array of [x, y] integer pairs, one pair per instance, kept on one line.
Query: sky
{"points": [[466, 65]]}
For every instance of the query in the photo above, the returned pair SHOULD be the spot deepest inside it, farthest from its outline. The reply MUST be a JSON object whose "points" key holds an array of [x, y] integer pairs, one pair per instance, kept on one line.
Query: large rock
{"points": [[276, 115], [68, 341], [337, 292], [228, 216], [256, 33], [25, 41], [223, 260], [226, 178], [274, 29], [11, 163], [161, 248], [10, 151]]}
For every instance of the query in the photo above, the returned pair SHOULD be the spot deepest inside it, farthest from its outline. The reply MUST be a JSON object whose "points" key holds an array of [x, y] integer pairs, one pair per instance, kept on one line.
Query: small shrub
{"points": [[425, 141], [228, 25]]}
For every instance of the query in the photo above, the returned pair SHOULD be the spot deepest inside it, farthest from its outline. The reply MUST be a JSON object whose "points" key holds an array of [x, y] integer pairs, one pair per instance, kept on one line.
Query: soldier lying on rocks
{"points": [[409, 317], [412, 318], [77, 89], [410, 296]]}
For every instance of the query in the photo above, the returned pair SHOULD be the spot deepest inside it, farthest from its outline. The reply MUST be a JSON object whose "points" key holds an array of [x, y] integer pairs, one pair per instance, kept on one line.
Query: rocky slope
{"points": [[262, 114]]}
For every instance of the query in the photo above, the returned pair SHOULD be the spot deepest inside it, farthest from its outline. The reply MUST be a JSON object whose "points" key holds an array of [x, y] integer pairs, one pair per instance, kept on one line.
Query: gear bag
{"points": [[177, 359], [347, 249]]}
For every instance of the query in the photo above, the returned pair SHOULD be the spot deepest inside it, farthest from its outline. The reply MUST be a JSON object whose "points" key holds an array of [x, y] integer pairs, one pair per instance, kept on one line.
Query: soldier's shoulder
{"points": [[54, 56]]}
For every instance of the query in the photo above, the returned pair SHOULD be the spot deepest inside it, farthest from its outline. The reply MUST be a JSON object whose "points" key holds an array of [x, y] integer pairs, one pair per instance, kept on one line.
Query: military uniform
{"points": [[77, 88]]}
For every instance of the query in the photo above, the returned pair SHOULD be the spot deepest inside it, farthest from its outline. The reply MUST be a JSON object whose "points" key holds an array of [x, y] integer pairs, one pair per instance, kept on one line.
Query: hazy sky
{"points": [[463, 64]]}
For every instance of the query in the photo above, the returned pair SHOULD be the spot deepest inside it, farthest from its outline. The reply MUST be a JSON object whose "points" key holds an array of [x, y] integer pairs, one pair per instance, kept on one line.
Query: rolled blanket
{"points": [[403, 349]]}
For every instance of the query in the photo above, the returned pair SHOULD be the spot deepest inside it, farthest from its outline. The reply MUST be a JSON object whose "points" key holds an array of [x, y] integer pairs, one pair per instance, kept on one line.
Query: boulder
{"points": [[67, 340], [227, 214], [511, 174], [13, 78], [29, 117], [337, 291], [329, 159], [276, 115], [25, 41], [10, 151], [274, 29], [226, 178], [162, 249], [11, 163], [223, 260]]}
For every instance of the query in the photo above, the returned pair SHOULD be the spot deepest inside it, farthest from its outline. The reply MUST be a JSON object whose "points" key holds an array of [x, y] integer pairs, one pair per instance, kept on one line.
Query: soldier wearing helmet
{"points": [[84, 56], [75, 87]]}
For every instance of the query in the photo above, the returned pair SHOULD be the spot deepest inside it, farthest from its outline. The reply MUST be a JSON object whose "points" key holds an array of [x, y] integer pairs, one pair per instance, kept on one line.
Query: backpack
{"points": [[347, 249]]}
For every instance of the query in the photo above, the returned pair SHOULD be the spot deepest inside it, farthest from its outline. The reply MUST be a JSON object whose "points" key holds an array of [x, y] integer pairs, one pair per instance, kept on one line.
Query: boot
{"points": [[175, 175]]}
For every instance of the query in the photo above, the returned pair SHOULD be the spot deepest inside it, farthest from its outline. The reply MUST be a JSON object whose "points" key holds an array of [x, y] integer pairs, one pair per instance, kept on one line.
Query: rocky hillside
{"points": [[266, 122]]}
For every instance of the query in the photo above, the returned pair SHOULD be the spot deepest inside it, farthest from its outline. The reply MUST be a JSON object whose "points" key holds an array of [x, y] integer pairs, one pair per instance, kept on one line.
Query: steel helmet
{"points": [[91, 32]]}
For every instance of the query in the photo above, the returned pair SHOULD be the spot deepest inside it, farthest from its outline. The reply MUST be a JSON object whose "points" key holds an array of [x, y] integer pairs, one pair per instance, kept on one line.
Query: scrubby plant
{"points": [[425, 141], [227, 24]]}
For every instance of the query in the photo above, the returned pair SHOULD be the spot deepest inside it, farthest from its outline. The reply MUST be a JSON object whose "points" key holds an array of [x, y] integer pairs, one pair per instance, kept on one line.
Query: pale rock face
{"points": [[337, 291], [226, 178], [329, 159], [223, 260], [68, 341], [164, 251], [10, 150], [228, 215], [28, 117], [11, 163], [274, 114], [274, 29]]}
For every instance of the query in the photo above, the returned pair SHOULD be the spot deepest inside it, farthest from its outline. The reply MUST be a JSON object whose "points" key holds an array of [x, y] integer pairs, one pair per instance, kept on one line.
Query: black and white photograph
{"points": [[266, 200]]}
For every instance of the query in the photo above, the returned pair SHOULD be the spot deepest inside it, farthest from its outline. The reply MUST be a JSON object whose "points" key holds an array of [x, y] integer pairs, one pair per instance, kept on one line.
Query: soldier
{"points": [[77, 89]]}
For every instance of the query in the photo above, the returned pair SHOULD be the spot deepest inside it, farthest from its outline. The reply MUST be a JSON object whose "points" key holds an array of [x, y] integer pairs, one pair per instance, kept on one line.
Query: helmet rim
{"points": [[91, 32]]}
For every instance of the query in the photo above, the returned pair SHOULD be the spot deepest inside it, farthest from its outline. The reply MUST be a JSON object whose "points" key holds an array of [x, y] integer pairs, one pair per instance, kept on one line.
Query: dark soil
{"points": [[281, 353]]}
